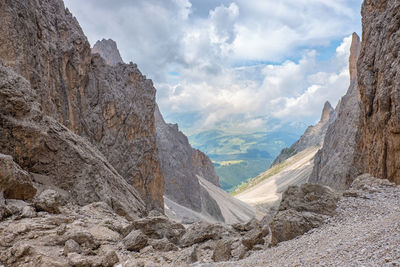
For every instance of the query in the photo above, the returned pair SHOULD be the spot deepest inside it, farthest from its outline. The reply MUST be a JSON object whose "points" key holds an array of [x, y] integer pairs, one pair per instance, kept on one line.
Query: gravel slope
{"points": [[365, 232]]}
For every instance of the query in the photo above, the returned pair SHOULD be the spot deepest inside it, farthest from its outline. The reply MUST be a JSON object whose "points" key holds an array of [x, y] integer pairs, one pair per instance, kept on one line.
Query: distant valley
{"points": [[237, 157]]}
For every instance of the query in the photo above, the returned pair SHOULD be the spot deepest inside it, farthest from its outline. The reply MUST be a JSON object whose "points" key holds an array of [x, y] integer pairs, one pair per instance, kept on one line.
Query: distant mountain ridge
{"points": [[313, 136]]}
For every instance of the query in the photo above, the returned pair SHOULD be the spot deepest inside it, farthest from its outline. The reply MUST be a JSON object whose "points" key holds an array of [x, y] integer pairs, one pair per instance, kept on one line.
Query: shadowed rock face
{"points": [[379, 88], [113, 107], [337, 163], [313, 136], [42, 153], [181, 164], [108, 50]]}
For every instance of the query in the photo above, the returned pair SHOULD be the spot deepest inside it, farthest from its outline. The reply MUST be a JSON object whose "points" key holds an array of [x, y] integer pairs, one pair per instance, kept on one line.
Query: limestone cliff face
{"points": [[112, 106], [379, 88], [182, 166], [313, 136], [337, 163], [37, 153], [108, 50]]}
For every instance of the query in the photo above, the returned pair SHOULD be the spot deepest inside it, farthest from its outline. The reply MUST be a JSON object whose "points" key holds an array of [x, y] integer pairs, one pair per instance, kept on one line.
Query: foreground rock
{"points": [[363, 232], [302, 209]]}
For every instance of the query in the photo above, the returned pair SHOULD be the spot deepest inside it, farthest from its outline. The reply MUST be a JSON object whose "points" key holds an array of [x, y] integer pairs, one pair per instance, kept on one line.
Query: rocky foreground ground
{"points": [[359, 228], [364, 232]]}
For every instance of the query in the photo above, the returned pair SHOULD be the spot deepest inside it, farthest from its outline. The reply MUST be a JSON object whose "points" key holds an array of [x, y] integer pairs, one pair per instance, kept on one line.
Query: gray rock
{"points": [[71, 246], [160, 227], [222, 250], [28, 212], [109, 259], [337, 163], [302, 208], [163, 245], [82, 237], [202, 231], [49, 200], [135, 241]]}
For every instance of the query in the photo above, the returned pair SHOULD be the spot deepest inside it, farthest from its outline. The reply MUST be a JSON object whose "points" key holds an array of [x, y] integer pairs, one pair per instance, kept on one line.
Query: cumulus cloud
{"points": [[240, 58]]}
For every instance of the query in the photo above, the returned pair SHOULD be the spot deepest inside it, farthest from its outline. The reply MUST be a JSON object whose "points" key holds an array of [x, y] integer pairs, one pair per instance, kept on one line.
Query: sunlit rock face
{"points": [[336, 163], [111, 106]]}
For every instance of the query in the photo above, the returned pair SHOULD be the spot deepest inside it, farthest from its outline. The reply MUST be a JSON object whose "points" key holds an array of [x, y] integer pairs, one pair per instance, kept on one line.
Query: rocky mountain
{"points": [[108, 51], [187, 199], [337, 163], [378, 70], [38, 153], [313, 136], [111, 106]]}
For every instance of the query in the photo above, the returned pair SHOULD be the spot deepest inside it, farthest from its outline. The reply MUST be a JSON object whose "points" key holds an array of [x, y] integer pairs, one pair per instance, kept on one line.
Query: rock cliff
{"points": [[337, 162], [38, 153], [379, 88], [112, 106], [313, 136]]}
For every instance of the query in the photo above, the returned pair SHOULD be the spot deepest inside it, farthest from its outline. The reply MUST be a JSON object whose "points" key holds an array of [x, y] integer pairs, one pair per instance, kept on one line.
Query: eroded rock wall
{"points": [[112, 107], [379, 88], [337, 163]]}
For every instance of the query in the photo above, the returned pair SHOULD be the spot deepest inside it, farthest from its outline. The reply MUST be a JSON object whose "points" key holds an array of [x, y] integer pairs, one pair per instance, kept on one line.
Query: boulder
{"points": [[49, 201], [71, 246], [222, 250], [135, 241], [203, 231], [302, 208], [159, 227], [163, 245], [109, 259]]}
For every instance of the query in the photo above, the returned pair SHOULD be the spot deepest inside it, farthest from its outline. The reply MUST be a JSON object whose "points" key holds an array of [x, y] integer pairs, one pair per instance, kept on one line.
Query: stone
{"points": [[15, 183], [201, 231], [78, 260], [192, 258], [313, 136], [49, 200], [254, 237], [222, 251], [104, 234], [302, 209], [310, 197], [28, 212], [135, 241], [109, 259], [163, 245], [82, 237], [71, 246], [160, 227]]}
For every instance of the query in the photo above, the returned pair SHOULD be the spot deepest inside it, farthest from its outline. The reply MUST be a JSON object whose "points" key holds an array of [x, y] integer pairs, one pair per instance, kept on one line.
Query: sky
{"points": [[239, 63]]}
